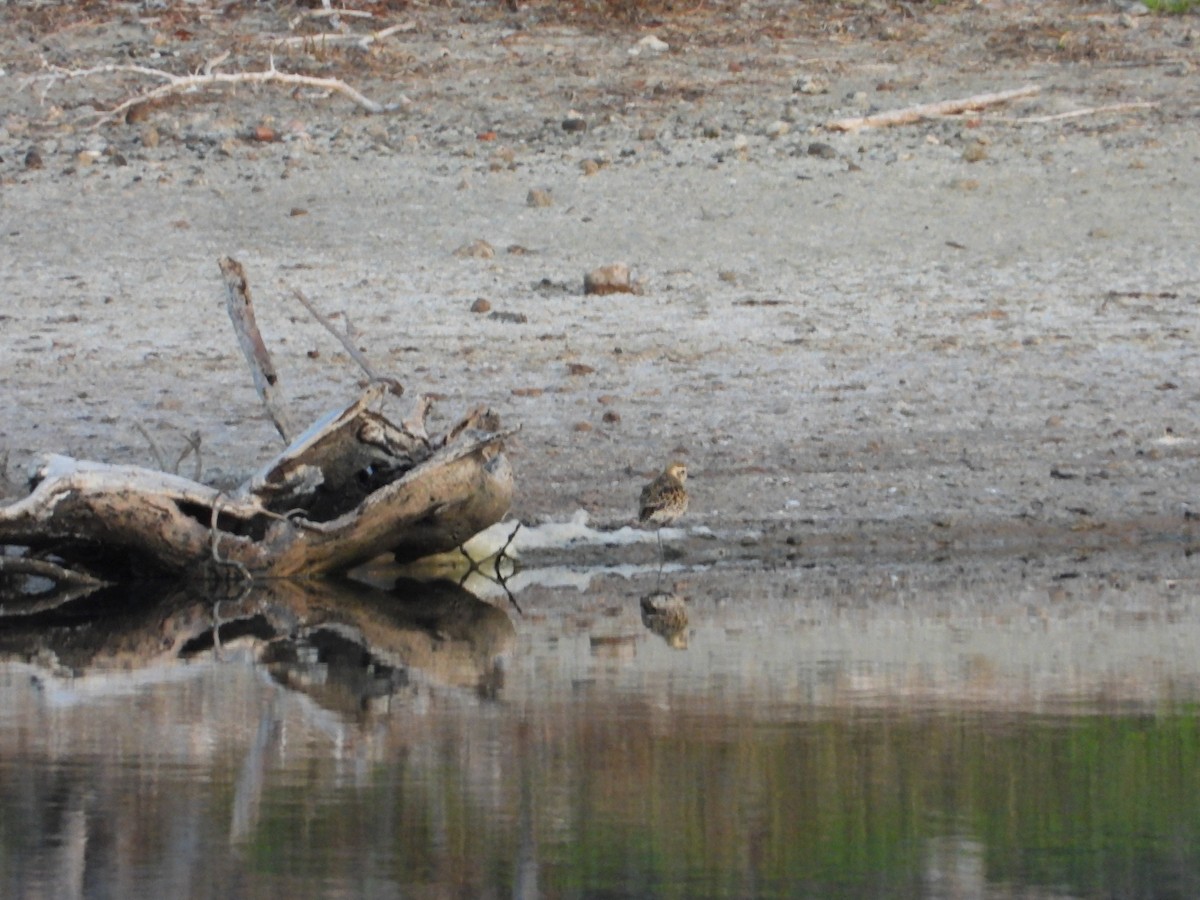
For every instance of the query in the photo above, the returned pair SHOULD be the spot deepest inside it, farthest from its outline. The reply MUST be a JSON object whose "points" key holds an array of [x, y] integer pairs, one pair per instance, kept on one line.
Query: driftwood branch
{"points": [[176, 84], [347, 341], [262, 368], [912, 114], [353, 486], [362, 41], [1077, 113]]}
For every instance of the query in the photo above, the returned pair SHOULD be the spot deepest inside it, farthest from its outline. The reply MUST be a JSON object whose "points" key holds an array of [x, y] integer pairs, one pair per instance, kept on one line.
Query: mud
{"points": [[969, 335]]}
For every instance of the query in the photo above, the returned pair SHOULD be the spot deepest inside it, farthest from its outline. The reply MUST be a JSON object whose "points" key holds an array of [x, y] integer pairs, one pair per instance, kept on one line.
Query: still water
{"points": [[1005, 728]]}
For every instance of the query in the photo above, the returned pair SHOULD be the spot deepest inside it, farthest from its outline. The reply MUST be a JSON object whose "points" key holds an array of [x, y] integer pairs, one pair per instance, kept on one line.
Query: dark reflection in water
{"points": [[1024, 730]]}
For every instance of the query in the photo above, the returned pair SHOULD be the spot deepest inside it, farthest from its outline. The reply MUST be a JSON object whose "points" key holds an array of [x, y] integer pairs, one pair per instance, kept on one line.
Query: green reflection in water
{"points": [[1092, 806]]}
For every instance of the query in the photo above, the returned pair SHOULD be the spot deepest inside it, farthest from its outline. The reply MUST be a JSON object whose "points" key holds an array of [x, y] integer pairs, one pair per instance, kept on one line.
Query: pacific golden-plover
{"points": [[664, 500]]}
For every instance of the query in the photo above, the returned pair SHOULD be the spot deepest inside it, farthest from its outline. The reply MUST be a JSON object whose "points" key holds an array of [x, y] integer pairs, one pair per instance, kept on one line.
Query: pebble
{"points": [[481, 305], [33, 159], [477, 249], [590, 166], [649, 44], [574, 122], [612, 279], [511, 318], [777, 129], [538, 197], [579, 369], [582, 426], [611, 417], [974, 152], [646, 133], [822, 150], [811, 84]]}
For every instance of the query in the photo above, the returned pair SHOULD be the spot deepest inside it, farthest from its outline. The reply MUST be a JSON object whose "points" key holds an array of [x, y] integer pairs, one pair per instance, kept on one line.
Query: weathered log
{"points": [[314, 510], [353, 486]]}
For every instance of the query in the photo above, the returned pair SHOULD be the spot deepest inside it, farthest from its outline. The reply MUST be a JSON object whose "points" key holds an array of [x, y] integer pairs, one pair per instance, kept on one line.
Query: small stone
{"points": [[710, 131], [297, 211], [822, 150], [517, 250], [777, 129], [646, 133], [574, 122], [582, 426], [811, 84], [528, 392], [537, 197], [477, 249], [607, 399], [1099, 233], [510, 318], [611, 417], [579, 369], [613, 279], [589, 167], [33, 159], [263, 134], [150, 138], [964, 184], [740, 143], [974, 152], [649, 44], [87, 157], [727, 276], [481, 305]]}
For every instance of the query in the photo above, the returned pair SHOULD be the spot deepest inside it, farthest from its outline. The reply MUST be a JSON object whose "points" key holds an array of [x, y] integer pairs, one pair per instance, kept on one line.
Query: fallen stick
{"points": [[1077, 113], [262, 367], [912, 114], [180, 83], [362, 41]]}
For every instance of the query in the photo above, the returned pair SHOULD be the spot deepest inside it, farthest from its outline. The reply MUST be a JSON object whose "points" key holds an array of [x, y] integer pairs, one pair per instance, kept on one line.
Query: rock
{"points": [[646, 133], [477, 249], [481, 305], [777, 129], [974, 152], [590, 166], [582, 426], [649, 44], [537, 197], [822, 150], [579, 369], [811, 84], [611, 417], [612, 279], [33, 159], [510, 318], [574, 122]]}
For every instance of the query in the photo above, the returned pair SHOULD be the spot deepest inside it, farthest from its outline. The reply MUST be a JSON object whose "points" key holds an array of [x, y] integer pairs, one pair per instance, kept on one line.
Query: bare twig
{"points": [[362, 41], [175, 84], [1077, 113], [912, 114], [347, 341], [154, 448], [262, 368]]}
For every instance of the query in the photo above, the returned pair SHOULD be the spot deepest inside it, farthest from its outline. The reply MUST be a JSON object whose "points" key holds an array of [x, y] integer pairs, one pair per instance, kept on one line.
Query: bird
{"points": [[663, 501]]}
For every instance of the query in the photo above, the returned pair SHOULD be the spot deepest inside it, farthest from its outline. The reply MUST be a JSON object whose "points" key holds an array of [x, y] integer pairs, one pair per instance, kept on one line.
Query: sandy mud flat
{"points": [[974, 333]]}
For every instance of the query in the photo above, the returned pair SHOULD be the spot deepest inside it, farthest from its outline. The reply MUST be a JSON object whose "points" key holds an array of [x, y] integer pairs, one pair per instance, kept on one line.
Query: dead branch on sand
{"points": [[353, 486], [1077, 113], [912, 114], [178, 84]]}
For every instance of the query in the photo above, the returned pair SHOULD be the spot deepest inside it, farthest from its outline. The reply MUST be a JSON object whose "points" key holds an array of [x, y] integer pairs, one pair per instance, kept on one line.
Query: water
{"points": [[1005, 728]]}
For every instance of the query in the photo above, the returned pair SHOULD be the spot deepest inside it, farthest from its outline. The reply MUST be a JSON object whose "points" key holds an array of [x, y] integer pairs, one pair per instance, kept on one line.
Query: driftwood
{"points": [[355, 485], [208, 77], [912, 114]]}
